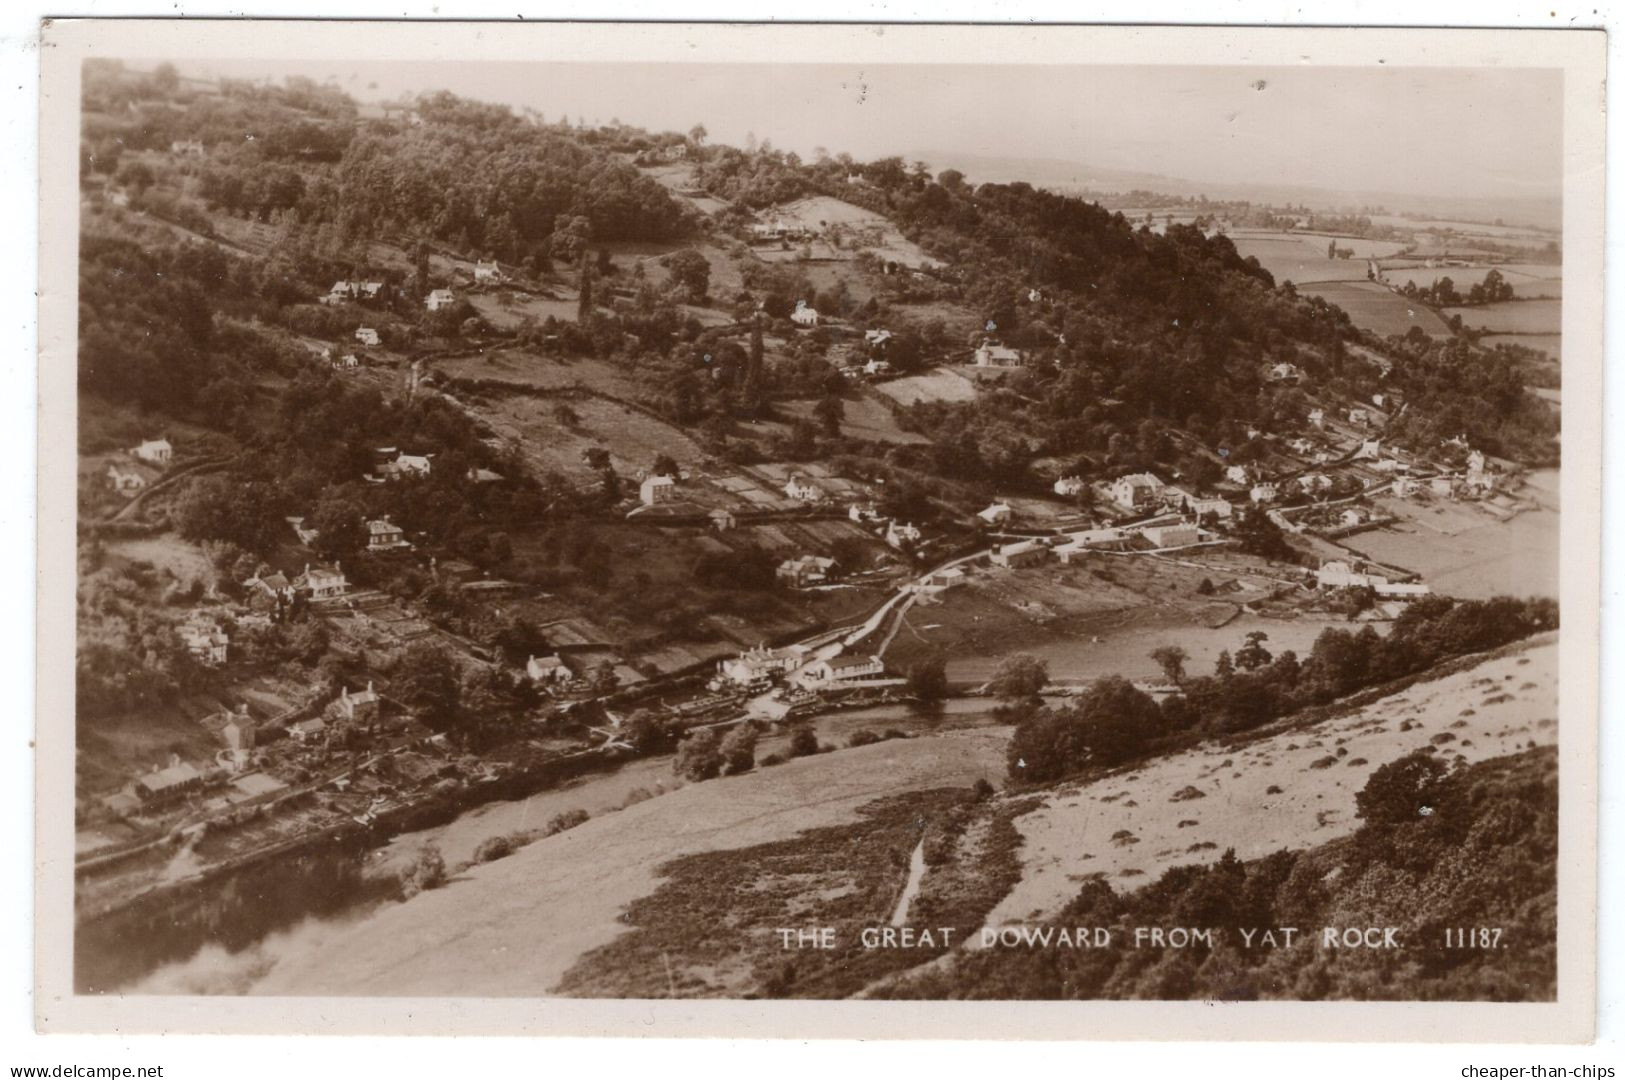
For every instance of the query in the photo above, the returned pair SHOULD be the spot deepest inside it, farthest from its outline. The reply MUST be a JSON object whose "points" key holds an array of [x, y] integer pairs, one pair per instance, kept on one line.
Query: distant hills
{"points": [[1080, 178]]}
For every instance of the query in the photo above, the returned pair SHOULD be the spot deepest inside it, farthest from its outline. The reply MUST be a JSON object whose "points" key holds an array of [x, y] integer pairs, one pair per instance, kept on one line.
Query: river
{"points": [[231, 935]]}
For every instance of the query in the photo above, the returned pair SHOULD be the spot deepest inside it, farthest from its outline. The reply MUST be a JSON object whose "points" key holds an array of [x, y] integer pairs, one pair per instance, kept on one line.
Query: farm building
{"points": [[1338, 574], [941, 580]]}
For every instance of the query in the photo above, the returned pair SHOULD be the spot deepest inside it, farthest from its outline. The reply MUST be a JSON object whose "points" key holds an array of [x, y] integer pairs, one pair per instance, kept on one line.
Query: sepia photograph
{"points": [[884, 515]]}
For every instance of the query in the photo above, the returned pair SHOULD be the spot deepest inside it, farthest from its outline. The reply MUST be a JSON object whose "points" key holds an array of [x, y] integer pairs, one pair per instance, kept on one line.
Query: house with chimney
{"points": [[322, 582], [487, 273], [801, 489], [992, 355], [804, 314], [548, 671], [1069, 486], [1135, 491], [368, 336], [384, 535], [843, 669], [206, 641], [656, 489], [360, 707]]}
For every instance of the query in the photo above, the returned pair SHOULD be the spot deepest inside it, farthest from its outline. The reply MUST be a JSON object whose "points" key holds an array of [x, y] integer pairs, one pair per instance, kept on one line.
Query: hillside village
{"points": [[425, 446]]}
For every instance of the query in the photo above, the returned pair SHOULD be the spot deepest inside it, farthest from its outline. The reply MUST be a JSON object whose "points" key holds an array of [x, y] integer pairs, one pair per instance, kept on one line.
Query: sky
{"points": [[1438, 132]]}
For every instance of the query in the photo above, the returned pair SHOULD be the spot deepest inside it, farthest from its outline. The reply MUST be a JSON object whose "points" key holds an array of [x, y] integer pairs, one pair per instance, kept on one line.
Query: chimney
{"points": [[369, 686]]}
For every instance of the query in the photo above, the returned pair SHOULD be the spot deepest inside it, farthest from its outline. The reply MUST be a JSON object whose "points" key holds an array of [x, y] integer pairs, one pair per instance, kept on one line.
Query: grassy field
{"points": [[939, 384], [1480, 558], [542, 372], [1514, 317], [861, 418], [1550, 344], [1374, 308], [820, 212], [633, 438], [1528, 281], [1276, 792], [1301, 257]]}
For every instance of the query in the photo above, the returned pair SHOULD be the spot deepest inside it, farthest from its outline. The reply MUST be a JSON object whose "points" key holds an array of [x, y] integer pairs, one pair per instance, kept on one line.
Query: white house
{"points": [[1220, 508], [324, 583], [843, 668], [877, 367], [383, 535], [898, 535], [343, 291], [941, 580], [804, 315], [1263, 493], [439, 298], [360, 707], [548, 670], [487, 273], [1285, 373], [1350, 518], [655, 489], [1337, 574], [991, 355], [1069, 485], [155, 452], [876, 338], [863, 513], [1405, 487], [722, 520], [187, 148], [806, 570], [1442, 485], [206, 642], [1358, 416], [1370, 450], [367, 336], [1167, 536], [306, 534], [405, 466], [1023, 553], [759, 663], [1317, 417], [1236, 474], [997, 514], [797, 487], [125, 481], [1135, 490]]}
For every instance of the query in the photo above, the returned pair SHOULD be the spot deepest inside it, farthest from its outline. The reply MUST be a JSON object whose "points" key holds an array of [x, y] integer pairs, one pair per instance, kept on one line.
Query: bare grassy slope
{"points": [[515, 926]]}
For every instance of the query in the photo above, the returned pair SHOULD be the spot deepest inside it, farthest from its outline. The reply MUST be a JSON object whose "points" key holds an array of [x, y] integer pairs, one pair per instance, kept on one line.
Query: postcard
{"points": [[819, 530]]}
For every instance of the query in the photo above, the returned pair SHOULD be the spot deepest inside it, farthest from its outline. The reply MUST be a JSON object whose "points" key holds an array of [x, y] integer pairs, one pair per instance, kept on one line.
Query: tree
{"points": [[1401, 791], [699, 757], [1171, 658], [1224, 667], [804, 743], [739, 750], [647, 732], [1252, 655], [1019, 678], [829, 411], [426, 682], [928, 679], [691, 272], [584, 300]]}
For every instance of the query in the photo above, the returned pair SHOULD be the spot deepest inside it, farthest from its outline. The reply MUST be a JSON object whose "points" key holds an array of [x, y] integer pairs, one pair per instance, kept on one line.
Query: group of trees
{"points": [[1113, 721], [1493, 289]]}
